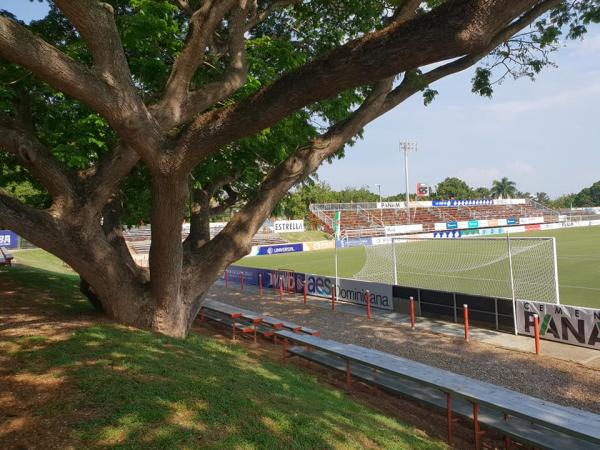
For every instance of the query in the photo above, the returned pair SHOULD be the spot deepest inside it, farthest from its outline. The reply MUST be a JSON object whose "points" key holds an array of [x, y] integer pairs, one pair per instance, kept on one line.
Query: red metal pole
{"points": [[506, 437], [242, 281], [536, 332], [273, 281], [347, 371], [412, 311], [368, 298], [333, 298], [280, 288], [305, 290], [260, 284], [466, 316], [449, 415], [226, 278], [476, 426]]}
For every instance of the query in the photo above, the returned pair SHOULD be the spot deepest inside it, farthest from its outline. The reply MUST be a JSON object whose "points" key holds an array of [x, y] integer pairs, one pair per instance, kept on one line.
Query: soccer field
{"points": [[578, 251]]}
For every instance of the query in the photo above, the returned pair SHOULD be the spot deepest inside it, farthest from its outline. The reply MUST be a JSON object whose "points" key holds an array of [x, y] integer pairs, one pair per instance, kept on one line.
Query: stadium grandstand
{"points": [[389, 218], [138, 238]]}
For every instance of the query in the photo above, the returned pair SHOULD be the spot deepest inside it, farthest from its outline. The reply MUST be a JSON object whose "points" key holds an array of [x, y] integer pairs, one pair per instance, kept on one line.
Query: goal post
{"points": [[523, 268]]}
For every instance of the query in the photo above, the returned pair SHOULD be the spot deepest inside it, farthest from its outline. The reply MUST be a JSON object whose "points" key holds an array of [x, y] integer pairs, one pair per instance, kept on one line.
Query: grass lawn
{"points": [[107, 386], [305, 236], [578, 251]]}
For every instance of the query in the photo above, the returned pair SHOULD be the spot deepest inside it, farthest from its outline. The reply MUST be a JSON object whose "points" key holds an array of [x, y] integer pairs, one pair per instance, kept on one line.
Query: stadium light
{"points": [[380, 209], [407, 146], [379, 189]]}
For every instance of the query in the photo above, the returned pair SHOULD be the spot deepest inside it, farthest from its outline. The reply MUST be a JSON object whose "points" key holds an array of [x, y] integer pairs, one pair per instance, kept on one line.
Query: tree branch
{"points": [[235, 239], [95, 22], [203, 24], [234, 77], [21, 46], [260, 16], [40, 162], [453, 29]]}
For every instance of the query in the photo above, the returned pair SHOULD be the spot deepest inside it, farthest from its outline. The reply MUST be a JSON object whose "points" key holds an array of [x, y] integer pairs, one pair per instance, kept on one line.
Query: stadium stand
{"points": [[139, 238], [366, 219]]}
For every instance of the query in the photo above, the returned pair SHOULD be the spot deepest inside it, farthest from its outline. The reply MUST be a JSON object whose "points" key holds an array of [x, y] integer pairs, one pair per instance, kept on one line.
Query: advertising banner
{"points": [[511, 221], [348, 290], [451, 203], [280, 248], [439, 226], [390, 205], [452, 225], [450, 234], [422, 190], [288, 226], [473, 223], [562, 323], [354, 242], [8, 239], [381, 240], [318, 245], [530, 220], [399, 229]]}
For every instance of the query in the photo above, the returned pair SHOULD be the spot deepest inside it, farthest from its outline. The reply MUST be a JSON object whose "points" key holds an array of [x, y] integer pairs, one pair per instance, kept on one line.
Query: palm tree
{"points": [[503, 188]]}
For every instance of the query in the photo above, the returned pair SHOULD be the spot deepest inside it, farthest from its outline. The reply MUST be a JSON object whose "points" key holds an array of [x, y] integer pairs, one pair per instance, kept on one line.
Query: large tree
{"points": [[184, 103]]}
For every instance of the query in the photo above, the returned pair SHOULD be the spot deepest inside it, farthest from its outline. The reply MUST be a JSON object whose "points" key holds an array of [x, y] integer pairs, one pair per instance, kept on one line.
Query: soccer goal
{"points": [[520, 268]]}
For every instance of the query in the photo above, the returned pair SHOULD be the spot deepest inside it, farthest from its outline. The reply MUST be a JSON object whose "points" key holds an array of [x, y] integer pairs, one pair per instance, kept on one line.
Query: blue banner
{"points": [[473, 223], [8, 239], [511, 221], [447, 234], [476, 202], [281, 248], [452, 225]]}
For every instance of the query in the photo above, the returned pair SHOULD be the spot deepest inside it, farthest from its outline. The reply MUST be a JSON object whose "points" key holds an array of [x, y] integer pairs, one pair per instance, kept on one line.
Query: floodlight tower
{"points": [[381, 206], [407, 146]]}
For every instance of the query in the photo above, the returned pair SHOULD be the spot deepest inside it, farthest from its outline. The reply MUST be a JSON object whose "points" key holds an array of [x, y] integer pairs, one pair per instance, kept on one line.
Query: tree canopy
{"points": [[126, 109]]}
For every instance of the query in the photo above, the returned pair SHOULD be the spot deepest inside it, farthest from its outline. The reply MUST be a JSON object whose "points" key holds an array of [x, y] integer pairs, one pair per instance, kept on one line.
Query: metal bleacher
{"points": [[516, 416], [365, 219], [139, 238]]}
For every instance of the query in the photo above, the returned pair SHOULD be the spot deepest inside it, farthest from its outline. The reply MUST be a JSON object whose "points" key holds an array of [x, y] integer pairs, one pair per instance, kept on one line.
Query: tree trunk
{"points": [[169, 194]]}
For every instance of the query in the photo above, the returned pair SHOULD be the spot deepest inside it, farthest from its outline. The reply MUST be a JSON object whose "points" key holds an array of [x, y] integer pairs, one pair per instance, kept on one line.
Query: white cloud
{"points": [[510, 109]]}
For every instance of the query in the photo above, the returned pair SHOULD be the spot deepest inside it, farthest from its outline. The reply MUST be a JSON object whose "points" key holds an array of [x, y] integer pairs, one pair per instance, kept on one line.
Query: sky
{"points": [[544, 135]]}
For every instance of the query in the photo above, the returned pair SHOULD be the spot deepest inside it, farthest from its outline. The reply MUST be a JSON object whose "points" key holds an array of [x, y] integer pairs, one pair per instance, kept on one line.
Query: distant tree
{"points": [[453, 187], [583, 198], [482, 192], [504, 188], [563, 202], [542, 197], [595, 193]]}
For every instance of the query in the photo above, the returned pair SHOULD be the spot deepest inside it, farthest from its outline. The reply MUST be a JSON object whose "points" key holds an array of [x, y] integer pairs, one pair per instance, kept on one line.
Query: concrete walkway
{"points": [[585, 356]]}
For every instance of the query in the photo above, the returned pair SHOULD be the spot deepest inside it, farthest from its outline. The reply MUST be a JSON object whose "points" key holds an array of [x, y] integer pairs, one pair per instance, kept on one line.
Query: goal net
{"points": [[478, 266]]}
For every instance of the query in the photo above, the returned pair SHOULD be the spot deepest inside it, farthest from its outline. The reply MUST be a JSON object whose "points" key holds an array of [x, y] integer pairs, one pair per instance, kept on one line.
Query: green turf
{"points": [[578, 251], [133, 389], [305, 236]]}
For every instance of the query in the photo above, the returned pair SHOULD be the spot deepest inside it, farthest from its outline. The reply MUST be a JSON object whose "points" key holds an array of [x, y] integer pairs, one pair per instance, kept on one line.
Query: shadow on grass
{"points": [[140, 390], [26, 286]]}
